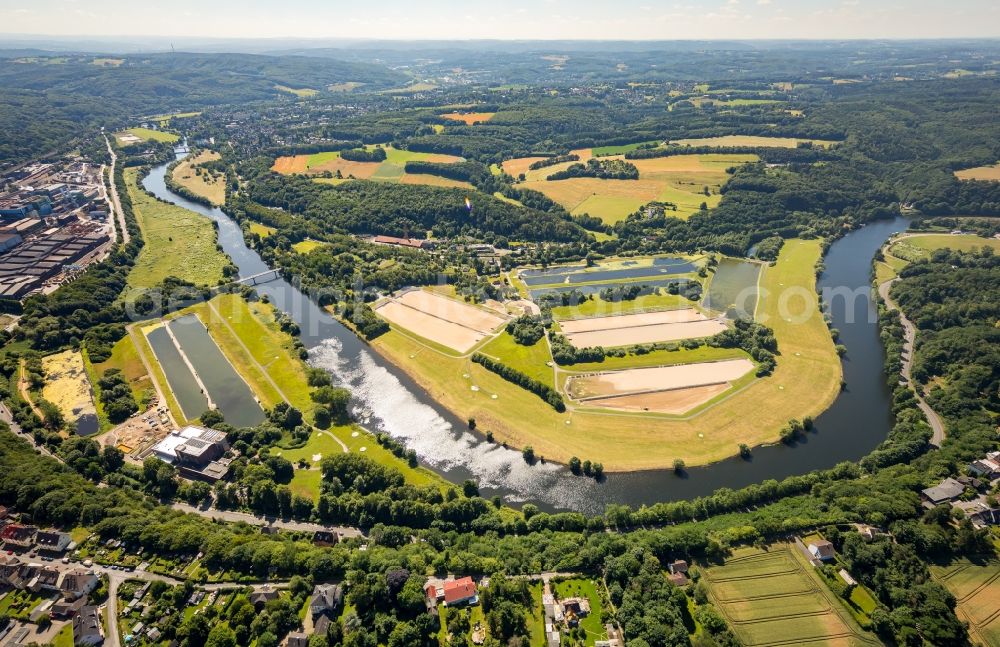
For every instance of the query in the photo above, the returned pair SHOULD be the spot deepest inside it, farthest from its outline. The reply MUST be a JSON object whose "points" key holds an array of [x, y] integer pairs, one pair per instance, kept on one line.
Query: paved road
{"points": [[116, 203], [254, 520], [909, 334]]}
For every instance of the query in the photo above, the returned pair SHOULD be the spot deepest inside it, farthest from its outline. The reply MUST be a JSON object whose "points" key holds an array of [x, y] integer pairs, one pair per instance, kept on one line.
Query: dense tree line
{"points": [[613, 169], [552, 161], [376, 154], [544, 391]]}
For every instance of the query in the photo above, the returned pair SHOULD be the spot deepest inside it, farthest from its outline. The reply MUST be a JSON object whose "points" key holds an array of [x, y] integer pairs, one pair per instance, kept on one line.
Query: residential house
{"points": [[87, 627], [946, 491], [822, 550], [324, 538], [259, 598], [52, 540], [461, 591], [678, 566], [574, 609], [678, 579], [67, 608], [46, 579], [77, 584], [326, 599], [321, 625], [297, 639], [17, 536]]}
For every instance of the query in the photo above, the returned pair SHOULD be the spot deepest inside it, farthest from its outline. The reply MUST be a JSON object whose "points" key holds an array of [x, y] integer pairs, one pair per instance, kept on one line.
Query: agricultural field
{"points": [[686, 181], [976, 586], [752, 140], [107, 62], [469, 118], [132, 135], [447, 322], [914, 247], [773, 597], [346, 86], [391, 170], [200, 181], [665, 389], [805, 381], [68, 387], [179, 242], [306, 246], [261, 230], [302, 93], [640, 328]]}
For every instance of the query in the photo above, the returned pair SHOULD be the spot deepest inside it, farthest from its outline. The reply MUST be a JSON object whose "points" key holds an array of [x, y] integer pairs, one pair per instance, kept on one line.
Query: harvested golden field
{"points": [[520, 165], [988, 173], [679, 179], [291, 164], [208, 184], [67, 386], [450, 323], [469, 118], [435, 180], [674, 401], [633, 381]]}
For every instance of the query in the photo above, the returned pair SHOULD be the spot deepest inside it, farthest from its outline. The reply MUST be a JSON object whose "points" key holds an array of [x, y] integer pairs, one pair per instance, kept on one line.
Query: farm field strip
{"points": [[977, 589], [591, 324], [774, 599], [672, 401], [452, 324], [983, 173], [646, 333], [390, 170], [658, 378]]}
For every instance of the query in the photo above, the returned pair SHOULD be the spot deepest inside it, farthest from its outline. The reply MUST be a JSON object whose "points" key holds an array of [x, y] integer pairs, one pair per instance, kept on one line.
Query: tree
{"points": [[221, 636], [212, 418], [678, 466], [574, 465]]}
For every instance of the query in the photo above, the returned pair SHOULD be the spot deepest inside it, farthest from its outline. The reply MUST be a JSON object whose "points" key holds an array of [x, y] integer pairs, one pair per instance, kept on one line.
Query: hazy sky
{"points": [[507, 19]]}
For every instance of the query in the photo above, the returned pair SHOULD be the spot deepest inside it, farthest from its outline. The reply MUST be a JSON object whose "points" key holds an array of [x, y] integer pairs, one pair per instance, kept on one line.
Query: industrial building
{"points": [[197, 453]]}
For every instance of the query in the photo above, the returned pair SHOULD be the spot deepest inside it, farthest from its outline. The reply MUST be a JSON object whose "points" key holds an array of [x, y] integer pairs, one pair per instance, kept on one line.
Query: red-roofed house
{"points": [[461, 591], [18, 535]]}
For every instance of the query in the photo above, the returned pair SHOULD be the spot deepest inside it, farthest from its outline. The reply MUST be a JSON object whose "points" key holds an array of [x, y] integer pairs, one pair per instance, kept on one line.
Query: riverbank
{"points": [[805, 382]]}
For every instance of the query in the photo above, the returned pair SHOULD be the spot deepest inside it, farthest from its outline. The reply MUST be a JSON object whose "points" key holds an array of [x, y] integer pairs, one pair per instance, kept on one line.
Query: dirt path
{"points": [[337, 440], [119, 214], [22, 388], [909, 334]]}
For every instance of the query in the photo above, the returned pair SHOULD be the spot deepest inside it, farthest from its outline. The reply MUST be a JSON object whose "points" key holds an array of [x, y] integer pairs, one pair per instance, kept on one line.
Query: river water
{"points": [[387, 400]]}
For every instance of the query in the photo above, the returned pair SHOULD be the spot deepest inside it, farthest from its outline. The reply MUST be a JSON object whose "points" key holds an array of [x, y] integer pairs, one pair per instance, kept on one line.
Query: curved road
{"points": [[909, 334]]}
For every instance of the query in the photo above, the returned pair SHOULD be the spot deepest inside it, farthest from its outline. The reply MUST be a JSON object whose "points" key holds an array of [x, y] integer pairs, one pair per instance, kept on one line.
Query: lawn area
{"points": [[584, 589], [306, 482], [261, 230], [179, 242], [804, 383], [254, 324], [913, 248], [599, 307], [530, 360], [391, 170], [148, 134], [125, 358], [681, 180], [65, 636], [306, 246], [200, 181], [19, 604], [976, 586], [773, 595], [536, 617], [302, 93]]}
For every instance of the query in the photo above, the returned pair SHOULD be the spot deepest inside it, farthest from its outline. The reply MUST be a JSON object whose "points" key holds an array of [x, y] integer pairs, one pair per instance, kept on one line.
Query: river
{"points": [[387, 400]]}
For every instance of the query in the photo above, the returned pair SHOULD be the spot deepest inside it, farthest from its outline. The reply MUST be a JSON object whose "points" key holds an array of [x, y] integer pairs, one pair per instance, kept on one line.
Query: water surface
{"points": [[387, 400]]}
